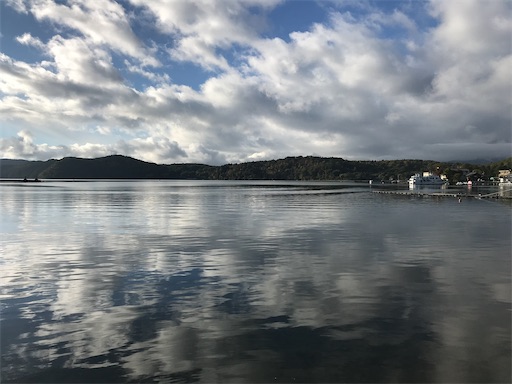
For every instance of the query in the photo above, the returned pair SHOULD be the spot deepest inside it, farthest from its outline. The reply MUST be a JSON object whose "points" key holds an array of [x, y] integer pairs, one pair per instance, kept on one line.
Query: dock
{"points": [[503, 194], [20, 180]]}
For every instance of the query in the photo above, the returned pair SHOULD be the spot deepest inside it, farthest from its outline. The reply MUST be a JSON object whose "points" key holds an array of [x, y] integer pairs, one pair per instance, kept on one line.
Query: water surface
{"points": [[195, 281]]}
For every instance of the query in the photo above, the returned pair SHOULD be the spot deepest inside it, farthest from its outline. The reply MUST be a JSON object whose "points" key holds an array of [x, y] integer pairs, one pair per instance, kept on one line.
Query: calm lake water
{"points": [[195, 281]]}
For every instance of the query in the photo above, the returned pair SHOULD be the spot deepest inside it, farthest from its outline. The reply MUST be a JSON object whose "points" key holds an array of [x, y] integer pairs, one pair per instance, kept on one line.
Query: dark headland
{"points": [[289, 168]]}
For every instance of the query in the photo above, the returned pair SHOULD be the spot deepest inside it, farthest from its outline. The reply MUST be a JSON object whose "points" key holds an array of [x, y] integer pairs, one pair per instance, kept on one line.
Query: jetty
{"points": [[502, 194], [25, 180]]}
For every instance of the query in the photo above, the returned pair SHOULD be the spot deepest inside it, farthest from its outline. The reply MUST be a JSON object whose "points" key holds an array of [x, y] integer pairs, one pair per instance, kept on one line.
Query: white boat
{"points": [[506, 180], [425, 179]]}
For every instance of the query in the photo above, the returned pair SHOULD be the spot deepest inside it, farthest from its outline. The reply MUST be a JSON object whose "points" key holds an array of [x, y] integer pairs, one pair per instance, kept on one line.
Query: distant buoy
{"points": [[460, 199]]}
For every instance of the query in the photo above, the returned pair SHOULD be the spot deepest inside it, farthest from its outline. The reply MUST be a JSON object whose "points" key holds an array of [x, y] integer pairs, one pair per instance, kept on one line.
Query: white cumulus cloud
{"points": [[209, 81]]}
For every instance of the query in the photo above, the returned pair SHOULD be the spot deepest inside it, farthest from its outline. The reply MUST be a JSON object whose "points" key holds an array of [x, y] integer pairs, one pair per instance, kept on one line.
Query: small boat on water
{"points": [[425, 179]]}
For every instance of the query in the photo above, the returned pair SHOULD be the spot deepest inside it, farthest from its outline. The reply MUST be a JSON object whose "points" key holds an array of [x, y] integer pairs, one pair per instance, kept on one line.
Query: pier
{"points": [[502, 194]]}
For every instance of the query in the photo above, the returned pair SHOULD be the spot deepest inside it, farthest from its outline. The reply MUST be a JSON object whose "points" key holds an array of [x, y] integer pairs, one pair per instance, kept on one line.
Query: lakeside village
{"points": [[464, 177], [504, 179]]}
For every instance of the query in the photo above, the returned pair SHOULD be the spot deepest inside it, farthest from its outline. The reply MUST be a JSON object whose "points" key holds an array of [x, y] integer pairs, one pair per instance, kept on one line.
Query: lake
{"points": [[198, 281]]}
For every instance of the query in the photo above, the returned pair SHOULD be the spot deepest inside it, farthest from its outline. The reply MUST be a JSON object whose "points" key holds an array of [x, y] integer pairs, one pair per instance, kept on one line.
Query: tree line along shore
{"points": [[289, 168]]}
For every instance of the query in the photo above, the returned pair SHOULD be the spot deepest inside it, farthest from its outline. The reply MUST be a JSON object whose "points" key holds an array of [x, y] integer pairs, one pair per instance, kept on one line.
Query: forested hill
{"points": [[290, 168]]}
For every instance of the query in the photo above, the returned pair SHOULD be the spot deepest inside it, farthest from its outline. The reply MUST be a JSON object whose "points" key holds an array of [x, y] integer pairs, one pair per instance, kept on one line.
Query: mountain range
{"points": [[290, 168]]}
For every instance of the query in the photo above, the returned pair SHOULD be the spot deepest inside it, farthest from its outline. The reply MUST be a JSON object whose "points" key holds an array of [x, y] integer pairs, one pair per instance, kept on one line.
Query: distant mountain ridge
{"points": [[109, 167], [289, 168]]}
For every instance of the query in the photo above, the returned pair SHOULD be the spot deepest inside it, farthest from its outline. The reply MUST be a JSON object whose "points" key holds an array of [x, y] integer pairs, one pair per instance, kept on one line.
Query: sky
{"points": [[229, 81]]}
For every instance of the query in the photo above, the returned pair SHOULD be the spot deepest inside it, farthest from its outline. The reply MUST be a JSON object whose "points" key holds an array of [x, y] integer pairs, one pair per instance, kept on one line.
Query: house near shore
{"points": [[505, 175]]}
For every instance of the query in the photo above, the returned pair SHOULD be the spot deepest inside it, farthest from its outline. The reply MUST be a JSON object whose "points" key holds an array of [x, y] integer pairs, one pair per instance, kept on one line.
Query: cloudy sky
{"points": [[229, 81]]}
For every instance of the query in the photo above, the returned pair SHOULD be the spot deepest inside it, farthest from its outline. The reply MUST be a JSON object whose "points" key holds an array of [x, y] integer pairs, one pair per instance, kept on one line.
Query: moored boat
{"points": [[425, 179]]}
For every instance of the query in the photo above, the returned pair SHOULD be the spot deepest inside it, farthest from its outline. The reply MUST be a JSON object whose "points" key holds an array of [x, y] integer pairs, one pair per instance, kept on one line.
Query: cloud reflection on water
{"points": [[232, 285]]}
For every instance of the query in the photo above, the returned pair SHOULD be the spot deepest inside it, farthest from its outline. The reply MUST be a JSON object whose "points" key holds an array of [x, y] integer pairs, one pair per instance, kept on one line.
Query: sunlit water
{"points": [[174, 281]]}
